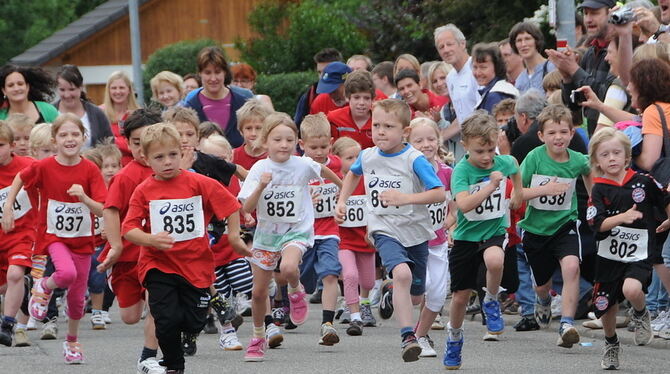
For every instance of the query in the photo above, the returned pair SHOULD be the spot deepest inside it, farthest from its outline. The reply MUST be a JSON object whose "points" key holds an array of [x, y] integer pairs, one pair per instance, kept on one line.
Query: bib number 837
{"points": [[179, 224], [69, 223]]}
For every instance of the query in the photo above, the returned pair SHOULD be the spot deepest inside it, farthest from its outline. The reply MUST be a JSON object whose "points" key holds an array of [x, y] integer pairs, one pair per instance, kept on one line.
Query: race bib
{"points": [[494, 206], [355, 215], [554, 203], [326, 199], [182, 218], [281, 204], [624, 244], [68, 220], [21, 203], [98, 224], [438, 212], [376, 184]]}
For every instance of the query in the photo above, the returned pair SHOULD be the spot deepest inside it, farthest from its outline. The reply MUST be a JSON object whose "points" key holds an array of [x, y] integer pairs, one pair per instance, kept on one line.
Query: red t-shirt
{"points": [[245, 160], [434, 101], [342, 124], [121, 142], [353, 238], [326, 227], [193, 258], [68, 224], [24, 227], [121, 188], [380, 95], [324, 104], [223, 251]]}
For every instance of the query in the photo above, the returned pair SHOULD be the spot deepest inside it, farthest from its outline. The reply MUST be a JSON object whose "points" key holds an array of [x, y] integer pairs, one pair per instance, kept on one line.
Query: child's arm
{"points": [[517, 191], [8, 209], [78, 191], [397, 198], [588, 181], [241, 173], [234, 237], [252, 201], [162, 241], [112, 222], [348, 186], [627, 217], [329, 174], [467, 202], [665, 225], [451, 217], [552, 188]]}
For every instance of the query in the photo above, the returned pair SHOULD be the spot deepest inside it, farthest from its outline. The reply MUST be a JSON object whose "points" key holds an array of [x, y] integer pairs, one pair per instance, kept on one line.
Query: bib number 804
{"points": [[179, 224], [281, 209]]}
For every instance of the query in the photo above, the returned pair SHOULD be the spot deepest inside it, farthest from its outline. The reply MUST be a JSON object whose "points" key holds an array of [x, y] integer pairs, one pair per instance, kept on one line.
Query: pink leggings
{"points": [[358, 268], [72, 273]]}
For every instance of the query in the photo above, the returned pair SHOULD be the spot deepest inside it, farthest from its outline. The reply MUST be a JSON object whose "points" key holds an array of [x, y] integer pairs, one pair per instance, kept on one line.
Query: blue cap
{"points": [[333, 76]]}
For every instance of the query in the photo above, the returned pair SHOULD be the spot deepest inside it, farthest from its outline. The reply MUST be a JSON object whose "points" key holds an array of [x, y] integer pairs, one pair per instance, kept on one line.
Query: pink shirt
{"points": [[217, 110], [444, 173]]}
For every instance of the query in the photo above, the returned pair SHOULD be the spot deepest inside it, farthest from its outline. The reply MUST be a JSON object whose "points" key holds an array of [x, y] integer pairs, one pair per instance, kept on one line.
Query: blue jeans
{"points": [[525, 294], [657, 296], [557, 284]]}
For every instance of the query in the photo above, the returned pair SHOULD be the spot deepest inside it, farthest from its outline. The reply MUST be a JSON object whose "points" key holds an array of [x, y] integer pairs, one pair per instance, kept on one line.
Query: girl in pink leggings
{"points": [[356, 255], [71, 190]]}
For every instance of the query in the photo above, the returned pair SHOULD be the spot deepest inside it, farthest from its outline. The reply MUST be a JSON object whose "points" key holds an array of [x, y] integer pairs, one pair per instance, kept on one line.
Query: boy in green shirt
{"points": [[551, 231], [479, 184]]}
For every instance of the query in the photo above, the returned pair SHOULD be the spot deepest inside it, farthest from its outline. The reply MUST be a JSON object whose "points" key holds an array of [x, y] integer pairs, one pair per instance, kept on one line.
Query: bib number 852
{"points": [[179, 224], [281, 209]]}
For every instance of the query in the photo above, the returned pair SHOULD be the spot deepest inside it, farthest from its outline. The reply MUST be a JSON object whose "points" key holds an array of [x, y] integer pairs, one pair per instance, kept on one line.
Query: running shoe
{"points": [[32, 324], [410, 349], [367, 317], [345, 317], [426, 349], [230, 342], [299, 310], [39, 301], [273, 336], [659, 322], [21, 338], [543, 315], [643, 334], [223, 307], [494, 320], [50, 330], [328, 335], [98, 321], [6, 334], [527, 323], [610, 359], [355, 328], [386, 302], [150, 366], [567, 336], [255, 350], [452, 353], [437, 324], [189, 342], [316, 297], [210, 327], [72, 353], [106, 317]]}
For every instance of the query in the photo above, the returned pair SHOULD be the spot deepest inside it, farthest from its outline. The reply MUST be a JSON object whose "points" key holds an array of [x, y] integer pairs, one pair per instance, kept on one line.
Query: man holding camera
{"points": [[647, 21], [592, 70]]}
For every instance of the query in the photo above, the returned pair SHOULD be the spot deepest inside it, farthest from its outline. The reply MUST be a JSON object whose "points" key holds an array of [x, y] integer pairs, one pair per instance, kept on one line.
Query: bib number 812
{"points": [[179, 224], [281, 209]]}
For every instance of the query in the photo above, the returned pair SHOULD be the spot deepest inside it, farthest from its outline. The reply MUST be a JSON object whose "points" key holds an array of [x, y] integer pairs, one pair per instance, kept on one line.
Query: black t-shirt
{"points": [[214, 167]]}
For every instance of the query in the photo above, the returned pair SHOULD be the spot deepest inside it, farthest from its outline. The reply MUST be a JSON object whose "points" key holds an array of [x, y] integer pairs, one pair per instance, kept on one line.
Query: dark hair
{"points": [[140, 118], [214, 55], [406, 73], [483, 50], [41, 85], [384, 69], [651, 78], [72, 75], [579, 22], [328, 55], [193, 76], [359, 81], [532, 30]]}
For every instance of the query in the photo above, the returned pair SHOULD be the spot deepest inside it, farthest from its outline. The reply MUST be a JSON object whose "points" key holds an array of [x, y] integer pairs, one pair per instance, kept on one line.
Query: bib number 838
{"points": [[553, 200], [179, 224]]}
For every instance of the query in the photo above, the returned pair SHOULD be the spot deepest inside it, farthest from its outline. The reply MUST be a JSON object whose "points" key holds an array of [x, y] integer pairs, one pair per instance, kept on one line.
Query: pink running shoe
{"points": [[299, 310], [255, 350], [39, 301], [72, 353]]}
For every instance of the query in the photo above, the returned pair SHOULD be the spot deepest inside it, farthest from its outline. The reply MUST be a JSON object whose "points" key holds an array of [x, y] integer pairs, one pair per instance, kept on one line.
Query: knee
{"points": [[15, 275], [570, 269], [287, 268], [259, 293], [65, 277], [131, 316], [632, 289], [461, 297], [402, 274]]}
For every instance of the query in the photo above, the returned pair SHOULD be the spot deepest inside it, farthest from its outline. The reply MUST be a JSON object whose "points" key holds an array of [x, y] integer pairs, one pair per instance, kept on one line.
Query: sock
{"points": [[71, 338], [406, 331], [378, 283], [455, 333], [269, 320], [259, 332], [96, 311], [294, 289], [356, 316], [612, 339], [148, 353], [489, 297], [365, 301], [640, 313], [568, 320], [328, 316], [9, 320], [545, 302], [227, 328], [22, 326]]}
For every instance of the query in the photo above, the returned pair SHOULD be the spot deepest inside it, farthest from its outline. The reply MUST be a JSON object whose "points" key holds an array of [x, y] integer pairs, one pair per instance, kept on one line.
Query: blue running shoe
{"points": [[452, 353], [494, 320]]}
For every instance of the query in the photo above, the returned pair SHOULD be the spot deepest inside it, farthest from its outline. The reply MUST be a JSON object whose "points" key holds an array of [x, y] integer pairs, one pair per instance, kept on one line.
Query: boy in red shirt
{"points": [[355, 120], [250, 122], [330, 89], [168, 217]]}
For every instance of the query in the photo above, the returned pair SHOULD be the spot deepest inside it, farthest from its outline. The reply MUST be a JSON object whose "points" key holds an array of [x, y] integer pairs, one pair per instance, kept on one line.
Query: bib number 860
{"points": [[179, 224], [281, 209]]}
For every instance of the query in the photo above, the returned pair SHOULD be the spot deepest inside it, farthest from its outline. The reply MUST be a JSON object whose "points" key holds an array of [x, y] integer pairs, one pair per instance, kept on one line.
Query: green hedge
{"points": [[285, 89]]}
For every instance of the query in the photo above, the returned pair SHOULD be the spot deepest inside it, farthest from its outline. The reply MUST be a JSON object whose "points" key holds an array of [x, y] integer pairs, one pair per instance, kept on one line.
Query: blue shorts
{"points": [[393, 253], [319, 261], [96, 280]]}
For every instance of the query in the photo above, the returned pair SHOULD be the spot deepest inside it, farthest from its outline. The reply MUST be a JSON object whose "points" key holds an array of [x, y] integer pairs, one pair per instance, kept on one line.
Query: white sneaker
{"points": [[556, 303], [230, 342], [273, 336], [659, 322], [150, 366], [643, 334], [490, 337], [426, 349], [97, 321], [106, 318], [31, 325]]}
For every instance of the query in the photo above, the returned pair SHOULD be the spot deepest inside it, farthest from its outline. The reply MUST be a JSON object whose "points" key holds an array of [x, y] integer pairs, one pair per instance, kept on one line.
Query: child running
{"points": [[478, 184], [277, 188], [399, 183], [71, 190], [425, 136], [622, 212]]}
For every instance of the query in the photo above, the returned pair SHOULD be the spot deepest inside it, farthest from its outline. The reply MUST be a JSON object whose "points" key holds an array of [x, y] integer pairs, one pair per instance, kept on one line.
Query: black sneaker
{"points": [[290, 325], [386, 303], [174, 371], [527, 323], [6, 333], [189, 343], [355, 328], [224, 308], [210, 327], [316, 297]]}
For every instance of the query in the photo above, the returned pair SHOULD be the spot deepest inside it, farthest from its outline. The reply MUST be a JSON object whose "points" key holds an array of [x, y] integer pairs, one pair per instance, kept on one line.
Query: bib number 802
{"points": [[622, 249], [281, 209], [179, 224]]}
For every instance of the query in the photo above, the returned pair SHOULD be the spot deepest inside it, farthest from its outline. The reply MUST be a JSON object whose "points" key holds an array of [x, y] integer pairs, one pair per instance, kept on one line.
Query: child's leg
{"points": [[259, 298], [14, 292], [459, 301], [494, 258], [76, 294], [570, 294], [328, 269], [632, 291], [609, 322], [350, 277], [402, 300], [290, 260], [240, 278], [65, 271]]}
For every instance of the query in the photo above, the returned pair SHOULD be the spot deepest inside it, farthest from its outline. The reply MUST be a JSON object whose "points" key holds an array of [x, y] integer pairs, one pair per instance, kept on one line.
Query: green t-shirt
{"points": [[491, 217], [546, 214]]}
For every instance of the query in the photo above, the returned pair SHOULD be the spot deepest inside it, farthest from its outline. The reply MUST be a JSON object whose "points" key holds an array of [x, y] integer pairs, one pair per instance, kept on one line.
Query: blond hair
{"points": [[343, 144], [183, 115], [20, 121], [275, 120], [6, 132], [604, 135], [409, 58], [252, 109], [651, 51], [442, 154], [218, 141], [480, 125], [439, 65], [65, 118], [93, 155], [40, 136], [314, 126], [107, 148], [396, 107], [107, 101], [160, 133], [168, 77]]}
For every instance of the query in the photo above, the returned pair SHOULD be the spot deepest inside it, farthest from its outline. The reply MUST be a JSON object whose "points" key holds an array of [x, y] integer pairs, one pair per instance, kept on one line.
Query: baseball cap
{"points": [[333, 76], [597, 4]]}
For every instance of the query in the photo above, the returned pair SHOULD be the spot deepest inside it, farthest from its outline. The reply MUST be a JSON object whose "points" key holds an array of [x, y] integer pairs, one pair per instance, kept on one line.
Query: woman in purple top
{"points": [[217, 100]]}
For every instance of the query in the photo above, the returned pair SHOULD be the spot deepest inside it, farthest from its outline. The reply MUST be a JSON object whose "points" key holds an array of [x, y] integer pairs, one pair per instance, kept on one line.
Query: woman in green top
{"points": [[27, 90]]}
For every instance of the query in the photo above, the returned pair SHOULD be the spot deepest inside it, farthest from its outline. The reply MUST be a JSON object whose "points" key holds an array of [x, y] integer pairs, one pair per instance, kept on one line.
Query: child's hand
{"points": [[240, 247], [187, 157], [496, 177], [631, 215], [8, 218], [266, 178], [664, 226], [77, 191], [554, 188], [315, 197], [340, 211], [112, 256], [516, 200], [393, 197], [162, 241], [249, 220]]}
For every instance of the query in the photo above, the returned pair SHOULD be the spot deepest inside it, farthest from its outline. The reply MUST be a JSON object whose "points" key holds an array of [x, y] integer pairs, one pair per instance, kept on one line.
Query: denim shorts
{"points": [[319, 261], [393, 253]]}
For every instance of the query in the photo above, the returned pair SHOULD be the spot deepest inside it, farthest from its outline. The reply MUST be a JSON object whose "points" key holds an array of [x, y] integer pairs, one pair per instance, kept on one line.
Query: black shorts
{"points": [[544, 252], [608, 294], [466, 257]]}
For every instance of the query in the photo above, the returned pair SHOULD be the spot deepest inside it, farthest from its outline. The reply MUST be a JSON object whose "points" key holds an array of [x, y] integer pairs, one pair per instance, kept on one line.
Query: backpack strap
{"points": [[666, 136]]}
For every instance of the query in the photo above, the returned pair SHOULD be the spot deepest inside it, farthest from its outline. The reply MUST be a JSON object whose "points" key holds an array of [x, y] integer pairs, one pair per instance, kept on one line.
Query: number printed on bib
{"points": [[557, 202], [327, 198], [376, 184], [355, 215], [68, 220], [281, 204], [494, 206], [98, 224], [182, 218], [624, 244], [21, 203]]}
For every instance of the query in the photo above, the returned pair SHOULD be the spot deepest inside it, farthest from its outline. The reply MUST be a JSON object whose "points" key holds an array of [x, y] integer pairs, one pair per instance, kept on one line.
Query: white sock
{"points": [[455, 333], [356, 316], [378, 283]]}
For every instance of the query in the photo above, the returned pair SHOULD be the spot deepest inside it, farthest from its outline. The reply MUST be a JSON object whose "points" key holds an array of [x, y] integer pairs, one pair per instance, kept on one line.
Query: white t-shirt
{"points": [[87, 125], [285, 212], [463, 91]]}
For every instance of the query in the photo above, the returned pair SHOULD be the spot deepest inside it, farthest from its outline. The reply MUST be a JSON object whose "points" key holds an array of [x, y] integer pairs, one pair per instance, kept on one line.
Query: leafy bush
{"points": [[284, 89], [179, 58]]}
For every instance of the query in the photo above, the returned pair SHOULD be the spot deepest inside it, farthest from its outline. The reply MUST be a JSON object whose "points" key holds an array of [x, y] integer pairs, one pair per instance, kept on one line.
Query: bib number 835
{"points": [[179, 224]]}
